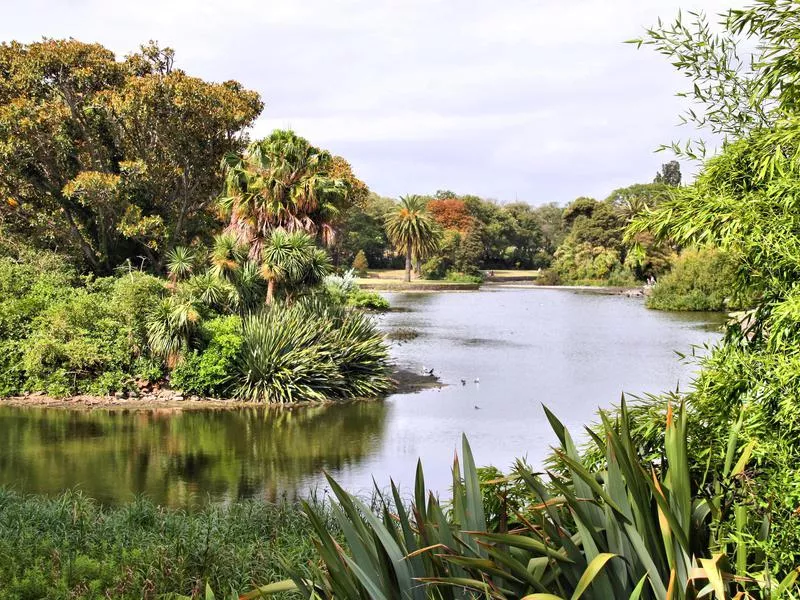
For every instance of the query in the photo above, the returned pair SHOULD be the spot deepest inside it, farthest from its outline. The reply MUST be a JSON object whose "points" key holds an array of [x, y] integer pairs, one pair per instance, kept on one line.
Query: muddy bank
{"points": [[407, 382]]}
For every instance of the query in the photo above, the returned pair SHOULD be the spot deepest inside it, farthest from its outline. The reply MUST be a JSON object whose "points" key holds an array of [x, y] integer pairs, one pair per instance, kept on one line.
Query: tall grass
{"points": [[70, 547]]}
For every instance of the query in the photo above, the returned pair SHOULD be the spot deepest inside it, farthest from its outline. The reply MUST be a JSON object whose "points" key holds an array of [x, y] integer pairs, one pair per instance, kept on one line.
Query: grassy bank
{"points": [[392, 280], [70, 548]]}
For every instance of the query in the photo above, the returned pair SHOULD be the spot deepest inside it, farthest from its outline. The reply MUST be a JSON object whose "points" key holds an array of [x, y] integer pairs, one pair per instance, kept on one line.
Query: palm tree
{"points": [[293, 260], [281, 182], [180, 263], [412, 230], [227, 256]]}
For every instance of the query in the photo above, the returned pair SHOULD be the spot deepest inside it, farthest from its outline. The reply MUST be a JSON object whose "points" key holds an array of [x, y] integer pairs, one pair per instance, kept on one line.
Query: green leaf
{"points": [[592, 570]]}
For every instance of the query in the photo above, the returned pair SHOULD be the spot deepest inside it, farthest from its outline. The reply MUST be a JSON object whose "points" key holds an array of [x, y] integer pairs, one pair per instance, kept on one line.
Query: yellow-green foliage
{"points": [[62, 334], [699, 280], [360, 264]]}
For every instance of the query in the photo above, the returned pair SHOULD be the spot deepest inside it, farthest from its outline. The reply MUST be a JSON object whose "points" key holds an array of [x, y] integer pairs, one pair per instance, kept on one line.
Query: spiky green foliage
{"points": [[226, 256], [625, 530], [308, 352], [181, 262], [412, 230], [292, 262], [173, 325], [282, 182]]}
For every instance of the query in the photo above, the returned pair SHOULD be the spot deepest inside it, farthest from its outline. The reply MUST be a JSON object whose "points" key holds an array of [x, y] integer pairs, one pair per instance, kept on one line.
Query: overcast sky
{"points": [[536, 100]]}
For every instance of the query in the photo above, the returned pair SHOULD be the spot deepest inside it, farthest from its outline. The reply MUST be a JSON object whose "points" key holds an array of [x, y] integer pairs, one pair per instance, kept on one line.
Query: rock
{"points": [[194, 398], [133, 394], [119, 394], [178, 398], [37, 393]]}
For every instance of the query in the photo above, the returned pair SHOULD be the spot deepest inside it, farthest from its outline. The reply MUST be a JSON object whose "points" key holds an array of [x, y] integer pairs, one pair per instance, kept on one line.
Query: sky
{"points": [[530, 100]]}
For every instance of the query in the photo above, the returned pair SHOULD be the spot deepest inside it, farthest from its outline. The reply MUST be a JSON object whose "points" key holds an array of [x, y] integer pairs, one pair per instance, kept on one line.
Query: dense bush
{"points": [[367, 300], [62, 334], [70, 548], [700, 279], [210, 371], [308, 351], [342, 290]]}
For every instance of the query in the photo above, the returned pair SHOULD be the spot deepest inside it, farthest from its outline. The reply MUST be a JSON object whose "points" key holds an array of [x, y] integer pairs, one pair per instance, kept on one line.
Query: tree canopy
{"points": [[284, 182], [108, 160]]}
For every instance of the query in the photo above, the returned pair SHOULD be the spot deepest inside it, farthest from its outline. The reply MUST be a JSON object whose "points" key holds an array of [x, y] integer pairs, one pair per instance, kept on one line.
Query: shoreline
{"points": [[408, 382]]}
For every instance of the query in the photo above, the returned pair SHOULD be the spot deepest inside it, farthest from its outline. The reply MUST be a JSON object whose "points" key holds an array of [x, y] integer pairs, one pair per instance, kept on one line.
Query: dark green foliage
{"points": [[210, 371], [70, 548], [699, 280], [309, 352], [363, 229], [670, 174], [367, 300], [64, 335]]}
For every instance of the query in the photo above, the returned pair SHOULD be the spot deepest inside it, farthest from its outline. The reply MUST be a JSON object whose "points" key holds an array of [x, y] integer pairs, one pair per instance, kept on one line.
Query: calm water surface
{"points": [[572, 351]]}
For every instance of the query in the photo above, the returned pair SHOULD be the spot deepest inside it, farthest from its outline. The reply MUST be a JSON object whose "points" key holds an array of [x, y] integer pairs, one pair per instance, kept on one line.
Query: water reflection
{"points": [[182, 458], [573, 352]]}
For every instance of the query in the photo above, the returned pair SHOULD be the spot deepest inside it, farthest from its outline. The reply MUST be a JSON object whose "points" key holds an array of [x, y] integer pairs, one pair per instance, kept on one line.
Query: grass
{"points": [[514, 274], [69, 547], [393, 280]]}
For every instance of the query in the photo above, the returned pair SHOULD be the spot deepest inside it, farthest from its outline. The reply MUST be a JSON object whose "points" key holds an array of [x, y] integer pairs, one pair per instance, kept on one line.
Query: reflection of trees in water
{"points": [[177, 458]]}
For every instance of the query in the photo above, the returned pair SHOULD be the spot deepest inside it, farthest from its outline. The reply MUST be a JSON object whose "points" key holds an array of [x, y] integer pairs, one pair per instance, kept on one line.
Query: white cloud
{"points": [[536, 99]]}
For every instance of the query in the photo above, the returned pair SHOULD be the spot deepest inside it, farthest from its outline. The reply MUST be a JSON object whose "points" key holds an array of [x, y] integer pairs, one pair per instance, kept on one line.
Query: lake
{"points": [[515, 349]]}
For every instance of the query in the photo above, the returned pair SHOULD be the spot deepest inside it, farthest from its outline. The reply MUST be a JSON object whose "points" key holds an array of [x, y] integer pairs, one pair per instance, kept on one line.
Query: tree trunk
{"points": [[408, 262], [270, 290]]}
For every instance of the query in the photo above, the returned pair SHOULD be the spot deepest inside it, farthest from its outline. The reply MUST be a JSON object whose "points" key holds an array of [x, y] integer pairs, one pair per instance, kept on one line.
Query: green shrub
{"points": [[548, 277], [435, 267], [360, 264], [457, 277], [699, 280], [148, 368], [368, 300], [82, 336], [28, 287], [210, 371], [307, 352], [339, 287]]}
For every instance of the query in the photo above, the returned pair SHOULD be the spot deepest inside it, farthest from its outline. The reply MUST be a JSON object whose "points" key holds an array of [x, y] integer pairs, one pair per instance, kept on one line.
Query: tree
{"points": [[550, 218], [282, 182], [293, 261], [670, 174], [363, 228], [450, 213], [109, 160], [525, 239], [635, 199], [360, 264], [412, 230]]}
